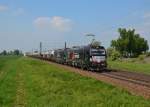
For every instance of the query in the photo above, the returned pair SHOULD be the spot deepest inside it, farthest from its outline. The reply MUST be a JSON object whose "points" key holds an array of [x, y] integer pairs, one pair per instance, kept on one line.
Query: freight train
{"points": [[89, 57]]}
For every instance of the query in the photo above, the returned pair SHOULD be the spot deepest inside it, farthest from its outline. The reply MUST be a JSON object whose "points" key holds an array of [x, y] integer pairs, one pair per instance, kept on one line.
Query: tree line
{"points": [[13, 52], [128, 44]]}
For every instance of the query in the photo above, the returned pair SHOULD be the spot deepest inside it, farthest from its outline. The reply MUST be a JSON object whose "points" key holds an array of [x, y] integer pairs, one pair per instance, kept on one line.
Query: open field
{"points": [[130, 66], [32, 83]]}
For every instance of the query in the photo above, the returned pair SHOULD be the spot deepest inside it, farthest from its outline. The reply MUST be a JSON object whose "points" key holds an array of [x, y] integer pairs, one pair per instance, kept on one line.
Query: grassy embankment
{"points": [[130, 66], [32, 83]]}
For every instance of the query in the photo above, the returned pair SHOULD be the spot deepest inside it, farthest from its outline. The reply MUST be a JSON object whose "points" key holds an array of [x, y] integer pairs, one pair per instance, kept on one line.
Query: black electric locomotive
{"points": [[90, 57]]}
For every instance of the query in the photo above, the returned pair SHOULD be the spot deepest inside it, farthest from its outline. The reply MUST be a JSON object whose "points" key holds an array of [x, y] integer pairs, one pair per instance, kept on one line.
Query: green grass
{"points": [[7, 80], [130, 66], [33, 83]]}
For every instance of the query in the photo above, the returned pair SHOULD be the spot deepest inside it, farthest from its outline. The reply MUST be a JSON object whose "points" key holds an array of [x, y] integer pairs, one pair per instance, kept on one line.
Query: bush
{"points": [[141, 57], [147, 54], [113, 54], [109, 51]]}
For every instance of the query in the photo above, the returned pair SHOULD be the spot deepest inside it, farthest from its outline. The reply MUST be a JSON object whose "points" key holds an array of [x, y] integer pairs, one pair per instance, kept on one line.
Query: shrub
{"points": [[113, 54], [141, 57], [147, 54]]}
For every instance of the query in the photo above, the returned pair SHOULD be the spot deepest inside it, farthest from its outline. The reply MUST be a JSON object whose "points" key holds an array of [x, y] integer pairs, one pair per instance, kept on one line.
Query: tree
{"points": [[4, 52], [16, 52], [130, 44]]}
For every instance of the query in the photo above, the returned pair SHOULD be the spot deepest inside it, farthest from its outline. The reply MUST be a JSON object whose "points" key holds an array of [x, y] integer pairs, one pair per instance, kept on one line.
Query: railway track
{"points": [[128, 78], [131, 77]]}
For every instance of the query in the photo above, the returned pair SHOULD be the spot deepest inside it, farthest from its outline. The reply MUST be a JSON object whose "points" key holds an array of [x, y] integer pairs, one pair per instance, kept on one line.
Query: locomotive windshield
{"points": [[98, 52]]}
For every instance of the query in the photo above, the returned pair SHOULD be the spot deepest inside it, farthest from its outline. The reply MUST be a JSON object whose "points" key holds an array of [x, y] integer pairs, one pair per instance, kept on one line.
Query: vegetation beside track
{"points": [[130, 66], [33, 83]]}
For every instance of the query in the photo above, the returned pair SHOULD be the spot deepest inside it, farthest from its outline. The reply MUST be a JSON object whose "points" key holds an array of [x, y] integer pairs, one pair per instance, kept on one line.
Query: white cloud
{"points": [[3, 8], [56, 23], [42, 22], [16, 12], [61, 23]]}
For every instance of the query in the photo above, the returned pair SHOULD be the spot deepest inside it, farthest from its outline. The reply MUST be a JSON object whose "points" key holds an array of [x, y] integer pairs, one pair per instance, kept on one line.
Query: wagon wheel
{"points": [[89, 68], [83, 66]]}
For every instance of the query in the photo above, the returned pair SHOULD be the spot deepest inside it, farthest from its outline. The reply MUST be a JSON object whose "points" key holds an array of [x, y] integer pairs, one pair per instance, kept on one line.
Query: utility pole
{"points": [[65, 45], [65, 52], [40, 48]]}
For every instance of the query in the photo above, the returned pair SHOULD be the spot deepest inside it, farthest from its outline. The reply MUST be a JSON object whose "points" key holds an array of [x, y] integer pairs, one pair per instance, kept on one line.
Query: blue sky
{"points": [[24, 23]]}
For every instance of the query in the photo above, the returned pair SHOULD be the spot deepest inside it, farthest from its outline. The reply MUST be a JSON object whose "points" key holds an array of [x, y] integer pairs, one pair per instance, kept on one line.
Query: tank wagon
{"points": [[90, 57]]}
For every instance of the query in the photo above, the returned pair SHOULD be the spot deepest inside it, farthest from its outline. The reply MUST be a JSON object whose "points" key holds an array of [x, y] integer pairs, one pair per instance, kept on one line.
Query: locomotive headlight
{"points": [[102, 58]]}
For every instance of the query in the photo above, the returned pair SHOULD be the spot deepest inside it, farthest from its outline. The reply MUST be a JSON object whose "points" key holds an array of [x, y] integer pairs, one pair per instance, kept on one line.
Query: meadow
{"points": [[33, 83], [139, 66]]}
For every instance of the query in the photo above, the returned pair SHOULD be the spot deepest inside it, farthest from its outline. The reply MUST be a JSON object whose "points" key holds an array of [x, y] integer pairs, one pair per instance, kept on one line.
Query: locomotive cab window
{"points": [[98, 52]]}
